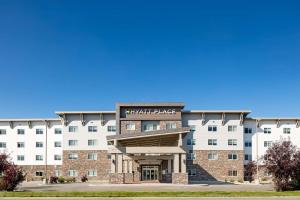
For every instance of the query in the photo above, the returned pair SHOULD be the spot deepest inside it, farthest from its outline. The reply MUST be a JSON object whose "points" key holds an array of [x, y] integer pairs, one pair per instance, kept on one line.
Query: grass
{"points": [[149, 194]]}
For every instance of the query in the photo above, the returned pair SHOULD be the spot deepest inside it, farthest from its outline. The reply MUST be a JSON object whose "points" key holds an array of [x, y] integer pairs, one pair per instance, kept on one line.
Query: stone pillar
{"points": [[130, 166], [169, 166], [180, 140], [113, 163], [183, 163], [119, 163], [125, 169], [176, 163]]}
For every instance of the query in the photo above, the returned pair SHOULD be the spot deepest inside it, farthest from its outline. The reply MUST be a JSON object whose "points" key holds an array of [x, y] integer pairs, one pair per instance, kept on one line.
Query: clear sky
{"points": [[87, 55]]}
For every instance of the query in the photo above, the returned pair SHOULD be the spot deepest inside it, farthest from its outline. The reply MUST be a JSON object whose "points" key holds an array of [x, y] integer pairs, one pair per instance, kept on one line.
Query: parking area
{"points": [[157, 187]]}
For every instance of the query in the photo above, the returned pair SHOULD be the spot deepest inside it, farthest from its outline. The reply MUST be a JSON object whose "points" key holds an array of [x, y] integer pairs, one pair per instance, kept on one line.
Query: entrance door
{"points": [[149, 173]]}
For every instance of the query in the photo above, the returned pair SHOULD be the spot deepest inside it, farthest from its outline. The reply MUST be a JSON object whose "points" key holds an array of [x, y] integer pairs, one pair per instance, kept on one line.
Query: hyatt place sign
{"points": [[150, 111]]}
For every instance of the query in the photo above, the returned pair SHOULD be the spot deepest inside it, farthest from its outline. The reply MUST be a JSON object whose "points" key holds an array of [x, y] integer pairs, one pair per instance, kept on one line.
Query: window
{"points": [[20, 144], [192, 172], [247, 130], [232, 173], [109, 157], [232, 128], [191, 142], [232, 142], [267, 130], [57, 131], [212, 128], [39, 173], [73, 156], [130, 126], [192, 127], [57, 157], [212, 156], [111, 128], [92, 128], [212, 142], [267, 173], [73, 173], [2, 144], [286, 130], [92, 142], [39, 144], [267, 143], [170, 125], [73, 129], [2, 131], [92, 172], [21, 131], [57, 144], [38, 157], [150, 125], [248, 157], [191, 155], [266, 157], [232, 156], [73, 142], [248, 144], [57, 173], [39, 131], [92, 156], [20, 157]]}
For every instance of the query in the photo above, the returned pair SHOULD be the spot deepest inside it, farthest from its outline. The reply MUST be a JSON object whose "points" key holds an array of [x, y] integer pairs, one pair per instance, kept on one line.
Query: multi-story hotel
{"points": [[144, 142]]}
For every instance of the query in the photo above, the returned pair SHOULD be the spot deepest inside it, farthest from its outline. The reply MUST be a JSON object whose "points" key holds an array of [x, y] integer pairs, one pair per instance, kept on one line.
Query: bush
{"points": [[61, 179], [241, 181], [231, 181], [53, 179], [84, 179], [70, 179]]}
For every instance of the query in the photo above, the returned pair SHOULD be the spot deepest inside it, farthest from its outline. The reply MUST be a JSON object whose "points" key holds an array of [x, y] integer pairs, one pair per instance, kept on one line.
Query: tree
{"points": [[250, 169], [296, 170], [11, 174], [279, 161]]}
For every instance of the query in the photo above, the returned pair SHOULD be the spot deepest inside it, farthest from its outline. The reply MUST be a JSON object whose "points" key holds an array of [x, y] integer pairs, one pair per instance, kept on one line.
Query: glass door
{"points": [[149, 173]]}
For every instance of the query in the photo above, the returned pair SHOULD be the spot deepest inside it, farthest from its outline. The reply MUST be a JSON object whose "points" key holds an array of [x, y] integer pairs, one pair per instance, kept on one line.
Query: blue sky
{"points": [[87, 55]]}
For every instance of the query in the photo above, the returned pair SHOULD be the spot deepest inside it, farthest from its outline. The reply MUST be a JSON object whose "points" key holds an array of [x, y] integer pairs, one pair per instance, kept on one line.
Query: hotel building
{"points": [[141, 142]]}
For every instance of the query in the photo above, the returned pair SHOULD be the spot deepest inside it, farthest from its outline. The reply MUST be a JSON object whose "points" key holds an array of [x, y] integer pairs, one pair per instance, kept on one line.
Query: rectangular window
{"points": [[111, 128], [232, 128], [212, 142], [57, 173], [20, 144], [72, 173], [2, 144], [248, 144], [73, 142], [57, 144], [39, 131], [130, 126], [232, 156], [73, 156], [191, 142], [39, 144], [248, 157], [92, 156], [267, 143], [92, 128], [150, 126], [232, 173], [39, 173], [20, 157], [92, 142], [2, 131], [286, 130], [73, 129], [57, 131], [170, 125], [266, 157], [192, 172], [192, 127], [21, 131], [92, 172], [38, 157], [57, 157], [247, 130], [267, 130], [212, 156], [212, 128], [191, 155], [232, 142]]}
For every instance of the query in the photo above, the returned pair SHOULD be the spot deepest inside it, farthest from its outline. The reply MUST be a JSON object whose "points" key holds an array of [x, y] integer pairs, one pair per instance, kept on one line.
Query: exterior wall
{"points": [[31, 170]]}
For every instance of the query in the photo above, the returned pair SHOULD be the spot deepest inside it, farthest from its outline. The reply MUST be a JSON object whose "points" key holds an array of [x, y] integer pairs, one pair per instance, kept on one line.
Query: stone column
{"points": [[183, 163], [113, 163], [169, 166], [130, 166], [176, 163], [125, 169], [119, 163]]}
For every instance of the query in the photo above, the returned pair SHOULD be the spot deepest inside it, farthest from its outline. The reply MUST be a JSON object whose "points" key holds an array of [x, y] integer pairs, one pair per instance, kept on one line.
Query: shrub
{"points": [[231, 181], [84, 179], [70, 179], [53, 179], [61, 179], [241, 181]]}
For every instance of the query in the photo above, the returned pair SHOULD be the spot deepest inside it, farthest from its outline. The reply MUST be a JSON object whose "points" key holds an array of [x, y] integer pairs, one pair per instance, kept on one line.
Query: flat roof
{"points": [[29, 119], [84, 112], [273, 118], [217, 111], [152, 104]]}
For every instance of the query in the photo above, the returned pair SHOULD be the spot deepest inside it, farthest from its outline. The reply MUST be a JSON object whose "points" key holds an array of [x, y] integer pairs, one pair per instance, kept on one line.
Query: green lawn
{"points": [[147, 194]]}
